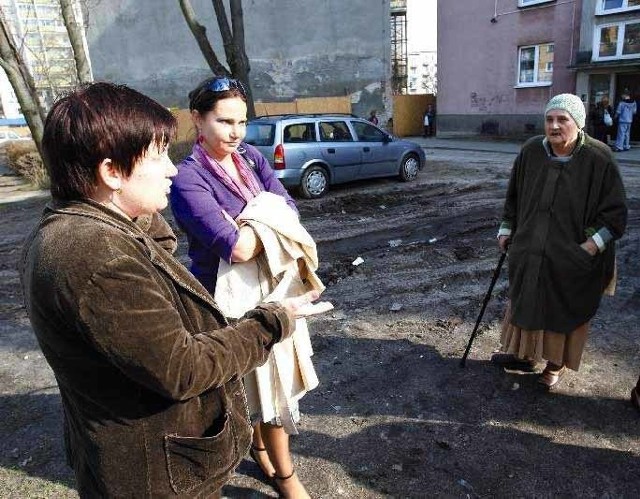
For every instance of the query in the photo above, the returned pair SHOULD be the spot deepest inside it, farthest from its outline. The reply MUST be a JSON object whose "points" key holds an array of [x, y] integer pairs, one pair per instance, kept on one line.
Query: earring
{"points": [[200, 139]]}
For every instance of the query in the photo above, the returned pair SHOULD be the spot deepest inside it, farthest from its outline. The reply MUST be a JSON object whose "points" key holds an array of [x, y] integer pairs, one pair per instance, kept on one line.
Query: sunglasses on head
{"points": [[224, 84]]}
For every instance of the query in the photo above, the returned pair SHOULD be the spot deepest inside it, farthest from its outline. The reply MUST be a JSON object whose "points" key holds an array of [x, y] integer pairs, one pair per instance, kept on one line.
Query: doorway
{"points": [[630, 82]]}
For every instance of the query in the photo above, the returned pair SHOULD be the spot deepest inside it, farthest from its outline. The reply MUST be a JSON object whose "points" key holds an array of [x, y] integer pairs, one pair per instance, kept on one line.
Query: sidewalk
{"points": [[628, 157], [14, 188]]}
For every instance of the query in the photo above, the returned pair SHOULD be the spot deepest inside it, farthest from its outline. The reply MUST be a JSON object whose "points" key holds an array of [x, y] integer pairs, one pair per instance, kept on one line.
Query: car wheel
{"points": [[409, 168], [315, 182]]}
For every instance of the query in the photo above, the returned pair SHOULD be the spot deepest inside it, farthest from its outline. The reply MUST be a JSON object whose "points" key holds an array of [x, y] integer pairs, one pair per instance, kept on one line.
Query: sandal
{"points": [[253, 453], [277, 477], [635, 398], [550, 378]]}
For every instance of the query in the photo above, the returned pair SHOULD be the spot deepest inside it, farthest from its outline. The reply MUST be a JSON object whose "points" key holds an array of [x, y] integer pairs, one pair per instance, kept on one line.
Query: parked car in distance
{"points": [[313, 151], [7, 136]]}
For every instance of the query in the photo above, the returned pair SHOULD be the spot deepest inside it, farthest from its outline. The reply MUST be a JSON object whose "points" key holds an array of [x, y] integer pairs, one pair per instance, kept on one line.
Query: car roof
{"points": [[302, 116]]}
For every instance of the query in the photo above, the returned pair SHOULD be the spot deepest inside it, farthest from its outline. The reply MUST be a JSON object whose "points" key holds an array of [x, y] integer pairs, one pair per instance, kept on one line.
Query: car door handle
{"points": [[366, 149], [331, 150]]}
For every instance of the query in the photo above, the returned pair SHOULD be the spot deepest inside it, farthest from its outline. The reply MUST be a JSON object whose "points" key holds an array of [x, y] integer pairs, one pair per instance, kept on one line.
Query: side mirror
{"points": [[387, 138]]}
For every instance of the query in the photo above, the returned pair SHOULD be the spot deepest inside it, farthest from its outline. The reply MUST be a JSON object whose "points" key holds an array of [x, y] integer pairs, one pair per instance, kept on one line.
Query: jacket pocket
{"points": [[581, 257], [191, 461]]}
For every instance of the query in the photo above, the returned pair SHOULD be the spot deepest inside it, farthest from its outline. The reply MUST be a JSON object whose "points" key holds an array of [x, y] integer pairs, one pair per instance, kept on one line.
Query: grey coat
{"points": [[148, 368]]}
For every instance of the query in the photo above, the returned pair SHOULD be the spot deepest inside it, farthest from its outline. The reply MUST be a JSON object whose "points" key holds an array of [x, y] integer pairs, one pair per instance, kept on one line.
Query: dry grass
{"points": [[24, 159]]}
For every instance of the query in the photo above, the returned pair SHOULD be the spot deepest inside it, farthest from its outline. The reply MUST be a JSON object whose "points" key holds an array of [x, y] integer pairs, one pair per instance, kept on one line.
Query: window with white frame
{"points": [[617, 41], [526, 3], [535, 65], [612, 6]]}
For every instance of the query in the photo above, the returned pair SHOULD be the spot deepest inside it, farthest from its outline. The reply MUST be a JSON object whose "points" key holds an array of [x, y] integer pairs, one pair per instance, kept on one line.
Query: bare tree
{"points": [[77, 40], [430, 81], [22, 82], [232, 39], [13, 62]]}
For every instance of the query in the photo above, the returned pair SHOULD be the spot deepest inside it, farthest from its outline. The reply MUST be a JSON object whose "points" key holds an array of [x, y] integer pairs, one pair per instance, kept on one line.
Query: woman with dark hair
{"points": [[232, 207], [148, 367]]}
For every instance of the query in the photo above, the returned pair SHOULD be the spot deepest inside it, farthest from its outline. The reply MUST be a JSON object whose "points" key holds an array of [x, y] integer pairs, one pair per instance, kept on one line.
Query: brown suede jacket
{"points": [[149, 370]]}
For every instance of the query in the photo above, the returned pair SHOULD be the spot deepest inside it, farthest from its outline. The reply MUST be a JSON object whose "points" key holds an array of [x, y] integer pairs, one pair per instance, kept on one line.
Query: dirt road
{"points": [[395, 415]]}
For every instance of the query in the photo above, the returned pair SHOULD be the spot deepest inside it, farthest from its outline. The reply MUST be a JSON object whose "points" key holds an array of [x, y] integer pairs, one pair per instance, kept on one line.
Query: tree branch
{"points": [[78, 44], [200, 34], [22, 83], [237, 25], [225, 33]]}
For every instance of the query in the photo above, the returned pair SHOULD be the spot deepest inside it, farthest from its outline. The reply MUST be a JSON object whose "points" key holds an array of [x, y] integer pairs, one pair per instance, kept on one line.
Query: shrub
{"points": [[31, 167], [24, 159]]}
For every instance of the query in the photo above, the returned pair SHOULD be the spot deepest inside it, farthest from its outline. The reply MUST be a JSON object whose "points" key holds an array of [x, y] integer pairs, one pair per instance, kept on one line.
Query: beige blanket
{"points": [[273, 389]]}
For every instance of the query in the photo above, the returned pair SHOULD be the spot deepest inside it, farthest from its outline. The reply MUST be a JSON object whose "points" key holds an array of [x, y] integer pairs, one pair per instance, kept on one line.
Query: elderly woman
{"points": [[148, 367], [565, 208], [224, 197]]}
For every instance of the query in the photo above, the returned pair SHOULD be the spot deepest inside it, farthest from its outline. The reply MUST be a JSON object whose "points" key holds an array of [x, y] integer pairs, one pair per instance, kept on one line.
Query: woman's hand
{"points": [[503, 243], [292, 305], [248, 245], [590, 247]]}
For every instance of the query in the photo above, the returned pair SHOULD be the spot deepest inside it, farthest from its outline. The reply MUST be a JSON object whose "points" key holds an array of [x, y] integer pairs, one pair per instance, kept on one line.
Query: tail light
{"points": [[278, 158]]}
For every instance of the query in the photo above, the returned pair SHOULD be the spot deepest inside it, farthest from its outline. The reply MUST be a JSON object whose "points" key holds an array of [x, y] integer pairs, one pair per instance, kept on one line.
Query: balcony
{"points": [[398, 7]]}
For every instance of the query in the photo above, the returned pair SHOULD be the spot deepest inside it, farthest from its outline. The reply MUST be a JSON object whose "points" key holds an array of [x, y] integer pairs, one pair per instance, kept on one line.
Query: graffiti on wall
{"points": [[483, 103]]}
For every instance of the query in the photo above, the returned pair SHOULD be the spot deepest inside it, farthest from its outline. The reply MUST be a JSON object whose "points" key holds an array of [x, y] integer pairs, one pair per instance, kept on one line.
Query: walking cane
{"points": [[487, 297]]}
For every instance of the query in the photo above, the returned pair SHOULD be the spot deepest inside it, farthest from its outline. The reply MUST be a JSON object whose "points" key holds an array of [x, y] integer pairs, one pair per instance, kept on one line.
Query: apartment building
{"points": [[608, 57], [39, 31], [499, 61], [422, 74]]}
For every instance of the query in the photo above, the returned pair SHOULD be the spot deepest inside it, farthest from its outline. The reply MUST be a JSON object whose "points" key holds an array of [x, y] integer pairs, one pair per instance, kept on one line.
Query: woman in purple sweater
{"points": [[212, 187]]}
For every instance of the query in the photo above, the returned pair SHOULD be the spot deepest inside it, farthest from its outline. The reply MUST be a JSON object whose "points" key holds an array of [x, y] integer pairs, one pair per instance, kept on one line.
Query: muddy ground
{"points": [[395, 415]]}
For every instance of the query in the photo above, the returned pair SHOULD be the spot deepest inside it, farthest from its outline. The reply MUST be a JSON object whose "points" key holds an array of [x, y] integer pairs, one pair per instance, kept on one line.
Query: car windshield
{"points": [[260, 134]]}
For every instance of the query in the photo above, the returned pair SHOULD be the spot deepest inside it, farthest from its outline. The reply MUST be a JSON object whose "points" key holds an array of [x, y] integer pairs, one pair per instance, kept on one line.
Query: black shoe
{"points": [[512, 363]]}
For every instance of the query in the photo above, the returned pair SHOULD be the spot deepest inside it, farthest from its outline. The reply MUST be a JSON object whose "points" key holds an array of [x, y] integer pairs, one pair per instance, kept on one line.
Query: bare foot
{"points": [[291, 487]]}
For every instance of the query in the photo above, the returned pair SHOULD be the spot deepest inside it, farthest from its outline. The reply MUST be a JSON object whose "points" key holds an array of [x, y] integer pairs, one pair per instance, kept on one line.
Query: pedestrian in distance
{"points": [[602, 119], [149, 369], [564, 209], [429, 121], [373, 117], [625, 111], [231, 206]]}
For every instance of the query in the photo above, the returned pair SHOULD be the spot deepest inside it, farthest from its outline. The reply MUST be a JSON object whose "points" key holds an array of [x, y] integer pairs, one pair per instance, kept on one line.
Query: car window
{"points": [[260, 134], [334, 131], [366, 132], [300, 132]]}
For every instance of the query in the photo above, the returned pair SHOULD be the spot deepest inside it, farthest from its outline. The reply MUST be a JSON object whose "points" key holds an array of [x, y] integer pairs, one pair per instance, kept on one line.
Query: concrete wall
{"points": [[478, 64], [297, 48]]}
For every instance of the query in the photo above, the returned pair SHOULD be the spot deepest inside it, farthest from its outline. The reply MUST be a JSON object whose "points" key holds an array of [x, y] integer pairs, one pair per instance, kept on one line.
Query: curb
{"points": [[620, 156]]}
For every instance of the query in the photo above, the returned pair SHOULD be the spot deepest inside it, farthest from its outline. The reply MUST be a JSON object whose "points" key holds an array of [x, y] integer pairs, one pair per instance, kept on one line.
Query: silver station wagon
{"points": [[313, 151]]}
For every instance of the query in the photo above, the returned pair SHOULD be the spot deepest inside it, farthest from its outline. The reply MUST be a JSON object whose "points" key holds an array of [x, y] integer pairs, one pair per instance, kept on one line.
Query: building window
{"points": [[612, 6], [617, 41], [526, 3], [535, 65]]}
